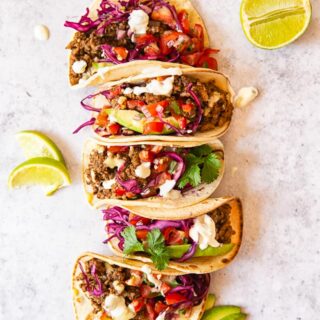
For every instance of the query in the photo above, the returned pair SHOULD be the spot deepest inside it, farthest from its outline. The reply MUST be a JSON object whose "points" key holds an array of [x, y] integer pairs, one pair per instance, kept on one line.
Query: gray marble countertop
{"points": [[274, 143]]}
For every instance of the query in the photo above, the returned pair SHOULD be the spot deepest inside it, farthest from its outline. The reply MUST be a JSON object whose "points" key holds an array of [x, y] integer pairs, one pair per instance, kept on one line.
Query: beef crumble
{"points": [[221, 217], [110, 278], [87, 45]]}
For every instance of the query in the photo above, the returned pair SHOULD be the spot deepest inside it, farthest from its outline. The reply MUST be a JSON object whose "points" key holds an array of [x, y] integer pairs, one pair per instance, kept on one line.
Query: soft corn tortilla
{"points": [[152, 70], [81, 303], [193, 196], [104, 75], [197, 264]]}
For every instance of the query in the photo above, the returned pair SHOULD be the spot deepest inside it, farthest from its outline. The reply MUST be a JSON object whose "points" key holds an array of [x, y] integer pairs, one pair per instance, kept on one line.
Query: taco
{"points": [[202, 244], [112, 288], [161, 103], [155, 173], [115, 32]]}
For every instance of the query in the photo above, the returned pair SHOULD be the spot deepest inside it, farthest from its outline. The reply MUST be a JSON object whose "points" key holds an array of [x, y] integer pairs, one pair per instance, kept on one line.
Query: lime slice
{"points": [[272, 24], [36, 144], [40, 171]]}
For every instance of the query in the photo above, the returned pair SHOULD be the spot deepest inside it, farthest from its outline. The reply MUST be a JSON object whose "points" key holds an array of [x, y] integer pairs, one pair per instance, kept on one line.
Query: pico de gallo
{"points": [[179, 240], [146, 170], [121, 293], [127, 30], [181, 106]]}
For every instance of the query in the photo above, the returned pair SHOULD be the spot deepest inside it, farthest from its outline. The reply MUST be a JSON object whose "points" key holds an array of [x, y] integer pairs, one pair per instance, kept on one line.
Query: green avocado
{"points": [[135, 120], [221, 313], [177, 251], [210, 302]]}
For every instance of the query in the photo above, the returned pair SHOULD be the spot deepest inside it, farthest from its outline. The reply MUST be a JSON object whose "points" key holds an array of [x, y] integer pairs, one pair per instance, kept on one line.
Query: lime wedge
{"points": [[40, 171], [36, 144], [272, 24]]}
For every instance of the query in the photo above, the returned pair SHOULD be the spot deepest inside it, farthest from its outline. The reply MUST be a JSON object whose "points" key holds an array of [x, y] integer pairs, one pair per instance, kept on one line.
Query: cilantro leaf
{"points": [[191, 175], [211, 167], [131, 243], [201, 151], [157, 249]]}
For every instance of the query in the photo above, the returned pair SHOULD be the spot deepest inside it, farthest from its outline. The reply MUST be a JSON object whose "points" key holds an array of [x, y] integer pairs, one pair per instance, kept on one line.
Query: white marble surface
{"points": [[274, 144]]}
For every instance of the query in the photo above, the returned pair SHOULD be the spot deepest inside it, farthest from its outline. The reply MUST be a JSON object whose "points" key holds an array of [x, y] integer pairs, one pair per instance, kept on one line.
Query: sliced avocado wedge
{"points": [[210, 302], [135, 120], [177, 251], [130, 119], [221, 312], [235, 316]]}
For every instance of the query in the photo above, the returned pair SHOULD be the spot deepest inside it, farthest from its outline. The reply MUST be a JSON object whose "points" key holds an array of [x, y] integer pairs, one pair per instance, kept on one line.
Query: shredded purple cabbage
{"points": [[181, 165], [130, 185], [196, 123], [97, 288], [85, 124], [189, 254]]}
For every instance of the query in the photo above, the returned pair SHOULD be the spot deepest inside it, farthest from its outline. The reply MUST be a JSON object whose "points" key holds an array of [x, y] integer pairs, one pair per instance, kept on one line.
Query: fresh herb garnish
{"points": [[157, 249], [131, 242], [202, 165], [173, 166], [155, 246]]}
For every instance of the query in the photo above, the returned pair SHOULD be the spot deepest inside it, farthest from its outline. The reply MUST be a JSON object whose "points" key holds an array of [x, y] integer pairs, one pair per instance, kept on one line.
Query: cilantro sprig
{"points": [[202, 165], [155, 246]]}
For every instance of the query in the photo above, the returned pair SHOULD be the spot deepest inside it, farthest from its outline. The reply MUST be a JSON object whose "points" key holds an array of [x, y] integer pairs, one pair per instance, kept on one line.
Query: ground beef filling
{"points": [[217, 108], [97, 172], [109, 276], [86, 45], [221, 217]]}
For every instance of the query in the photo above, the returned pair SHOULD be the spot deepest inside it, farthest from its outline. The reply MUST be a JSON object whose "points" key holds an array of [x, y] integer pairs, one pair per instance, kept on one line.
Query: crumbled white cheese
{"points": [[107, 184], [119, 287], [79, 66], [138, 22], [143, 170], [41, 32], [127, 90], [245, 96], [203, 232], [166, 187], [112, 161], [100, 101], [116, 307]]}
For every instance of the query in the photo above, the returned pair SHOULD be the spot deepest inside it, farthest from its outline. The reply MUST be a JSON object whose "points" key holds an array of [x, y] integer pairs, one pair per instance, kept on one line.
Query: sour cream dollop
{"points": [[203, 232], [138, 22], [79, 66], [117, 309]]}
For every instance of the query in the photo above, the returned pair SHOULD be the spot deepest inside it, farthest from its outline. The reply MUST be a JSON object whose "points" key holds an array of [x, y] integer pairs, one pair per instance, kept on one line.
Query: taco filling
{"points": [[122, 31], [143, 171], [121, 294], [179, 240], [178, 105]]}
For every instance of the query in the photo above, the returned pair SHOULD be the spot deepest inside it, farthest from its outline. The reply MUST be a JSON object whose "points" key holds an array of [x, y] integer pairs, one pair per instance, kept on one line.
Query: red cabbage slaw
{"points": [[191, 128], [194, 287], [118, 219], [110, 12]]}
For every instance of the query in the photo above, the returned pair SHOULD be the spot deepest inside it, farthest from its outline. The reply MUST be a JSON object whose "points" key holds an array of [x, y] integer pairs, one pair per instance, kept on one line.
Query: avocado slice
{"points": [[221, 313], [130, 119], [135, 120], [235, 316], [210, 302], [177, 251]]}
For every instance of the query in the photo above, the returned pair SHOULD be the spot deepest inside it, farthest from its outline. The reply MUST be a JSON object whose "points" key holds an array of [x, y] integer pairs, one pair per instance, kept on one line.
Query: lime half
{"points": [[272, 24], [40, 171], [36, 144]]}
